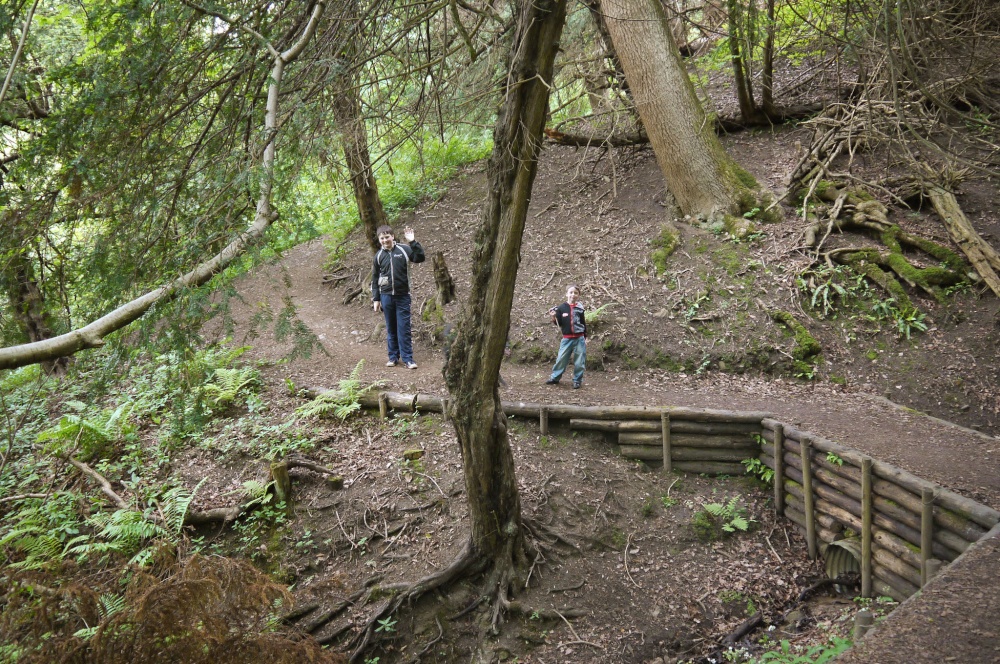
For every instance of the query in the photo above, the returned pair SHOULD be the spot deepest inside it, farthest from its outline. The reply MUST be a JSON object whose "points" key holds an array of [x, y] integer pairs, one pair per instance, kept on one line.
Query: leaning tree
{"points": [[497, 547], [704, 180]]}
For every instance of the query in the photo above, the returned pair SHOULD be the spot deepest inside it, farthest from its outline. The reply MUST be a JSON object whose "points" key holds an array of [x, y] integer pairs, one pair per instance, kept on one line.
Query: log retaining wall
{"points": [[904, 524]]}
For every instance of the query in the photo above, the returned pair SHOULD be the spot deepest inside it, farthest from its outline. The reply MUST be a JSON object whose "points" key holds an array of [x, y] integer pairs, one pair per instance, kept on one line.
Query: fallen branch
{"points": [[23, 496], [983, 257], [101, 480]]}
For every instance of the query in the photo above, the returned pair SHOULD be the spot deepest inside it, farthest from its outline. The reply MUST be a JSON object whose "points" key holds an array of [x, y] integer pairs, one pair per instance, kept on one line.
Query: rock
{"points": [[413, 454]]}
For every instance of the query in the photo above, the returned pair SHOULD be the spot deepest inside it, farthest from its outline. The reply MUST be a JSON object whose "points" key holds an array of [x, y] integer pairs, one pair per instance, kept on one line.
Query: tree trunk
{"points": [[609, 48], [443, 282], [28, 307], [739, 48], [354, 139], [473, 368], [704, 180]]}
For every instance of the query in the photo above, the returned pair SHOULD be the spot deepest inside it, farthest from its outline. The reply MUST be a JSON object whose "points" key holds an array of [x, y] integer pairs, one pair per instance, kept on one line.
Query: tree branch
{"points": [[93, 335]]}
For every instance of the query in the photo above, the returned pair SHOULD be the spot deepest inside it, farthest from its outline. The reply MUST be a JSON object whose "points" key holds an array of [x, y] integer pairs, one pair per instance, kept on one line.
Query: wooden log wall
{"points": [[905, 524]]}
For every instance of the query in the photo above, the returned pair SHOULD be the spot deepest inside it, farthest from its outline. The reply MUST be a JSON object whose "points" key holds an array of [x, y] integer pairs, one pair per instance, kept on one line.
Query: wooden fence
{"points": [[907, 526]]}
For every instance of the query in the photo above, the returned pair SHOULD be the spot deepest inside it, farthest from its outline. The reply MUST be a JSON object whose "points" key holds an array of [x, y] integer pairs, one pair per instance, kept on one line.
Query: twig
{"points": [[562, 590], [629, 574], [100, 479], [23, 496], [554, 272], [578, 639]]}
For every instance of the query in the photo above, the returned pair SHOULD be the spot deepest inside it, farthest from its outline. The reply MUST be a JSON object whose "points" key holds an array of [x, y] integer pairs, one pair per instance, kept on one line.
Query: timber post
{"points": [[866, 527], [668, 464], [383, 405], [543, 420], [933, 567], [805, 446], [926, 532], [779, 469]]}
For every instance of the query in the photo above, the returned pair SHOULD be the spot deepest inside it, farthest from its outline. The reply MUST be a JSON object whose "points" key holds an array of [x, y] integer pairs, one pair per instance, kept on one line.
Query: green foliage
{"points": [[39, 532], [341, 402], [226, 384], [19, 378], [417, 170], [89, 438], [123, 531], [759, 470], [386, 624], [826, 285], [834, 459], [594, 316], [817, 654], [717, 520]]}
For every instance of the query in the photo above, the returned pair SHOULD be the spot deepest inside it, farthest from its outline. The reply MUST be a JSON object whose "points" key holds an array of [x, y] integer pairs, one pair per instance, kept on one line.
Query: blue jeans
{"points": [[568, 347], [396, 309]]}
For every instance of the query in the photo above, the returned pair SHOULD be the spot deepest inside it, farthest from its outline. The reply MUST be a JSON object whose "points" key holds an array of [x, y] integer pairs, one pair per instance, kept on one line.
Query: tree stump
{"points": [[443, 281]]}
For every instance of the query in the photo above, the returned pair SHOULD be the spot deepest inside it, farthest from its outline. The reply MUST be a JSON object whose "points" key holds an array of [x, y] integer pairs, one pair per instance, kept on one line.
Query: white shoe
{"points": [[392, 363], [411, 365]]}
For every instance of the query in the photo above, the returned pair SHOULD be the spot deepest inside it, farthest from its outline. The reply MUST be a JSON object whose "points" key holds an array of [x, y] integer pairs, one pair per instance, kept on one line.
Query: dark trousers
{"points": [[396, 309]]}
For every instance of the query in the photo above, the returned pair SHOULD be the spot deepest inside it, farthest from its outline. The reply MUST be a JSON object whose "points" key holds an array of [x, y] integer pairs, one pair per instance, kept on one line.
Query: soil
{"points": [[626, 557]]}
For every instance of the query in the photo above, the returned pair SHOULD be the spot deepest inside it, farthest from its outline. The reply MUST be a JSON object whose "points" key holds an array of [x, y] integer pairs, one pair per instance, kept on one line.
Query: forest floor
{"points": [[699, 334]]}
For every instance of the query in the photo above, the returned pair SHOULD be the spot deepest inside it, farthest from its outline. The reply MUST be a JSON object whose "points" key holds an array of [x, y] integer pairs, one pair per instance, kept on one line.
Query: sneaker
{"points": [[411, 365], [392, 363], [552, 381], [576, 384]]}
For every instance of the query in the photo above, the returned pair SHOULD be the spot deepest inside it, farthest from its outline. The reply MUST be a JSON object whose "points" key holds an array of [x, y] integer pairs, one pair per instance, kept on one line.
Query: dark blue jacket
{"points": [[393, 266], [571, 322]]}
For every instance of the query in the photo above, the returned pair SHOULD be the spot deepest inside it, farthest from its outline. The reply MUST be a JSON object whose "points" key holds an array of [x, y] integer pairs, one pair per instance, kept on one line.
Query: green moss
{"points": [[806, 346], [872, 355], [703, 526], [743, 176], [838, 380], [737, 227], [664, 245]]}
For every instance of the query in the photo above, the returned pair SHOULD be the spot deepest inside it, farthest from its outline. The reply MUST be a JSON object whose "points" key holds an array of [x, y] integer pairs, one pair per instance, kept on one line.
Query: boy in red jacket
{"points": [[569, 316]]}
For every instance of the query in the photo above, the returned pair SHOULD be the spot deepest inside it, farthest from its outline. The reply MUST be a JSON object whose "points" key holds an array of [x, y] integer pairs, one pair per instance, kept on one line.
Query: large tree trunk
{"points": [[473, 367], [354, 138], [28, 306], [704, 180]]}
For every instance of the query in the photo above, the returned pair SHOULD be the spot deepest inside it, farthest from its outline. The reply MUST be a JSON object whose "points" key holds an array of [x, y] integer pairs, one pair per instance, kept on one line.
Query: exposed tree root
{"points": [[467, 563], [854, 210]]}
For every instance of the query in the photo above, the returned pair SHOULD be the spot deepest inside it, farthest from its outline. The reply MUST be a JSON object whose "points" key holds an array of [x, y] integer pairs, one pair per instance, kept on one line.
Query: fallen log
{"points": [[651, 453], [690, 440], [651, 426], [983, 257]]}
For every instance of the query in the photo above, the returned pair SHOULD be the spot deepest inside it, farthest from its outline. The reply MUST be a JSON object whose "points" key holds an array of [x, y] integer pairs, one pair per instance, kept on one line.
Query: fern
{"points": [[341, 402], [122, 531], [732, 517], [226, 384], [258, 492], [89, 436], [594, 316], [174, 507], [41, 531]]}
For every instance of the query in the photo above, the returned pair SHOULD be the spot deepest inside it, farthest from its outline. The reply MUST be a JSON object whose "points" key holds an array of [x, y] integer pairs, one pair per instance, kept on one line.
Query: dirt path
{"points": [[577, 207], [955, 457]]}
